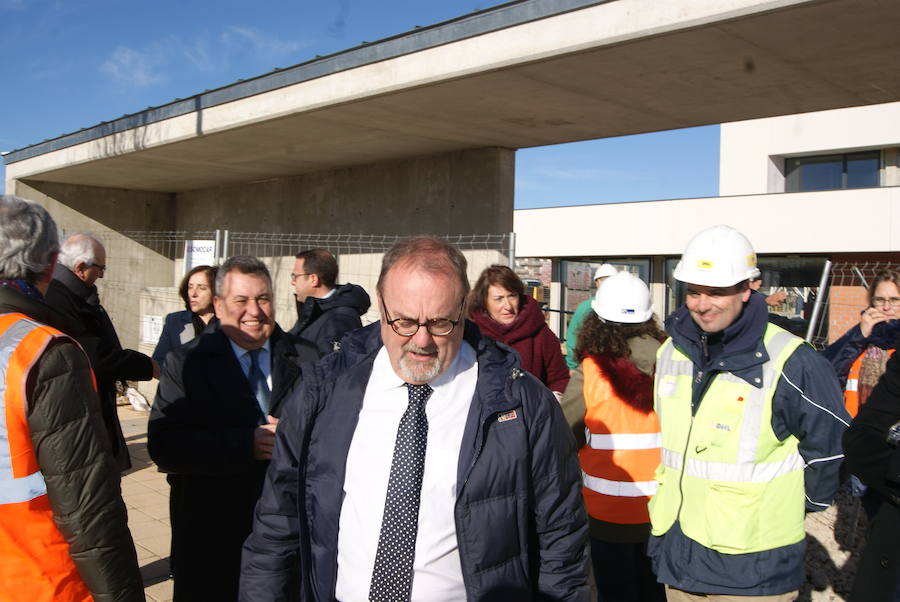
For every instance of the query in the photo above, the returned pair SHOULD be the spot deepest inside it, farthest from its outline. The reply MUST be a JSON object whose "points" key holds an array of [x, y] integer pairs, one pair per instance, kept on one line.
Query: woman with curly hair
{"points": [[503, 312], [609, 403]]}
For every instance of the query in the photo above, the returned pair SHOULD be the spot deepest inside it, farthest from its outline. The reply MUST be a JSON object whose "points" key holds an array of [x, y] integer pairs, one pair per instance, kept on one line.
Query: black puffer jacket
{"points": [[324, 322], [74, 457], [520, 520]]}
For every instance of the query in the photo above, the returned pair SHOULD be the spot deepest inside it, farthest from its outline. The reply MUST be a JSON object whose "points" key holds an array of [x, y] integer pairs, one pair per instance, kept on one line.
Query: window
{"points": [[832, 172]]}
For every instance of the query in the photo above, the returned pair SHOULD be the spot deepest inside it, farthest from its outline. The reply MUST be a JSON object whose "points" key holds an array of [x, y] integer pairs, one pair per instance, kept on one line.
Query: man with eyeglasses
{"points": [[326, 311], [73, 292], [420, 462]]}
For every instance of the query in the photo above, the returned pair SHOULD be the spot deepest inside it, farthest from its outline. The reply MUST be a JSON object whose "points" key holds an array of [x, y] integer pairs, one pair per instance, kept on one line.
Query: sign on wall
{"points": [[199, 252]]}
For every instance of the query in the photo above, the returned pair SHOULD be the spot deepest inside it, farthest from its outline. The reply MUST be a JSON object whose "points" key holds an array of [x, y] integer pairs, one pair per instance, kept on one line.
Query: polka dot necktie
{"points": [[392, 575]]}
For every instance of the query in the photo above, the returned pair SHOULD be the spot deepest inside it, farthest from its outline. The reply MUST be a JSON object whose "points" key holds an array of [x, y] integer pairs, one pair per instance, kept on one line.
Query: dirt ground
{"points": [[835, 539]]}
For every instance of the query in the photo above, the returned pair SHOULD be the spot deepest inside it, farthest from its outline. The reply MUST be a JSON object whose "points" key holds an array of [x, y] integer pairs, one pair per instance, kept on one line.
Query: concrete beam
{"points": [[601, 70]]}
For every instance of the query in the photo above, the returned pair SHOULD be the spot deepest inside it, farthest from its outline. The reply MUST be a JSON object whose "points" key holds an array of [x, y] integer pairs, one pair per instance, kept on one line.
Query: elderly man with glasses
{"points": [[73, 292], [420, 462]]}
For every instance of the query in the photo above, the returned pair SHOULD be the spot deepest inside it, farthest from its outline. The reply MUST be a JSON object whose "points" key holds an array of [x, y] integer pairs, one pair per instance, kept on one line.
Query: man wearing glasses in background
{"points": [[420, 462], [72, 292]]}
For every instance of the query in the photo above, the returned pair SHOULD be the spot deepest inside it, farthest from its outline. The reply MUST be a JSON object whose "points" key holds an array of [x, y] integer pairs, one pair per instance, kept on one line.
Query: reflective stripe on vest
{"points": [[619, 460], [622, 440], [37, 564], [725, 476], [27, 487]]}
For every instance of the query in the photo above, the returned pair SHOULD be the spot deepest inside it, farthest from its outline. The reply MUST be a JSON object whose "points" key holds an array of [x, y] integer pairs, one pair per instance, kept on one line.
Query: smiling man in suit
{"points": [[213, 424]]}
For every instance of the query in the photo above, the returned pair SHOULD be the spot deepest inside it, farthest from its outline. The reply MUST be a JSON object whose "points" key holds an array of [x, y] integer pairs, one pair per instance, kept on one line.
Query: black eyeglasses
{"points": [[438, 327], [883, 301], [102, 268], [295, 276]]}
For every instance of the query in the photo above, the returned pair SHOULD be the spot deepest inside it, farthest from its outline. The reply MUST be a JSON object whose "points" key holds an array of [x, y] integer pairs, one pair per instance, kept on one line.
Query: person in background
{"points": [[581, 312], [609, 404], [197, 289], [498, 305], [73, 292], [773, 300], [326, 311], [872, 446], [859, 357], [63, 525]]}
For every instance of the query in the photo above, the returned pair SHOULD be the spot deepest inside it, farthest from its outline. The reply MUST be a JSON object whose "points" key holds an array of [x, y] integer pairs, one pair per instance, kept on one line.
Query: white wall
{"points": [[802, 222], [746, 148]]}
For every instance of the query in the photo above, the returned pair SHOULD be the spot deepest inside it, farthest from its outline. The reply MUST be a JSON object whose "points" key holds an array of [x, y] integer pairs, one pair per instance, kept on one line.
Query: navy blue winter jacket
{"points": [[324, 322], [807, 404], [520, 519]]}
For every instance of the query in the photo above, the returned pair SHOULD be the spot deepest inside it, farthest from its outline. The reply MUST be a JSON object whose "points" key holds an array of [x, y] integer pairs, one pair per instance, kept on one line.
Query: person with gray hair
{"points": [[73, 292], [213, 424], [63, 524], [420, 462]]}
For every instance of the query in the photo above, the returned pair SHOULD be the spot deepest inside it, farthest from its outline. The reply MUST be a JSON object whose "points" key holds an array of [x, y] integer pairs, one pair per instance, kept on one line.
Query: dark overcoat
{"points": [[201, 433]]}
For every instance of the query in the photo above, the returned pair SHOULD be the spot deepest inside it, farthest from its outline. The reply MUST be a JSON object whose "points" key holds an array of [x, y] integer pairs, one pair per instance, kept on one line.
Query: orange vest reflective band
{"points": [[35, 564], [620, 454], [851, 389]]}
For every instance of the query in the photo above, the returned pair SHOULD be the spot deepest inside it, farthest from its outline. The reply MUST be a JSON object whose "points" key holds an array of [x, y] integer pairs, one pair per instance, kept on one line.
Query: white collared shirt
{"points": [[437, 574], [265, 363]]}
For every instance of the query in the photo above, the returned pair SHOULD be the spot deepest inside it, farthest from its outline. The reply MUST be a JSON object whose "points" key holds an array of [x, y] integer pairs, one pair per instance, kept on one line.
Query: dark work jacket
{"points": [[326, 321], [520, 520], [201, 433], [877, 464], [63, 414], [807, 403], [93, 329]]}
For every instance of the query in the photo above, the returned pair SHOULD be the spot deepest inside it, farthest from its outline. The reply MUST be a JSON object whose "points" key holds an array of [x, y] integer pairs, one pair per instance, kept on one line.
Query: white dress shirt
{"points": [[437, 574]]}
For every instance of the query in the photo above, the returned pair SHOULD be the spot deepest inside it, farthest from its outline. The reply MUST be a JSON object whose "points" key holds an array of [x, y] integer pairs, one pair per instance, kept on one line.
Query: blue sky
{"points": [[70, 64]]}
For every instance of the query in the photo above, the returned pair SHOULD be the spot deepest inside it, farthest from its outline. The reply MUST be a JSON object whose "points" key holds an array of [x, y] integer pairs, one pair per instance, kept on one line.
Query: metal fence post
{"points": [[512, 250], [225, 253], [820, 299]]}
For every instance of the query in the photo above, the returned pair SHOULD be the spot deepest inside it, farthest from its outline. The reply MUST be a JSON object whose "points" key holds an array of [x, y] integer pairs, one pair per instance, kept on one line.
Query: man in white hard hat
{"points": [[751, 421], [581, 312]]}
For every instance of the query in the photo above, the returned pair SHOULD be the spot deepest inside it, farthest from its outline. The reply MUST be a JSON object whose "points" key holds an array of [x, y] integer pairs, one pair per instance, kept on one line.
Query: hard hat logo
{"points": [[751, 260], [705, 264]]}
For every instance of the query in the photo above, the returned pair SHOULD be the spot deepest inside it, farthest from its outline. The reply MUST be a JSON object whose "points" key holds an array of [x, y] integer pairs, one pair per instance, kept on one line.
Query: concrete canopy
{"points": [[552, 72]]}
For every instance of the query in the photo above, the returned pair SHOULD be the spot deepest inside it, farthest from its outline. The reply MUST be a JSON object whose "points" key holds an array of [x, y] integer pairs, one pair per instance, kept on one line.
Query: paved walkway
{"points": [[146, 495]]}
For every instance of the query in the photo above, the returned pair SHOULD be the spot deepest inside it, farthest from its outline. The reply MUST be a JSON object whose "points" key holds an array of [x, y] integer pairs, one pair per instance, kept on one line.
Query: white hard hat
{"points": [[717, 256], [623, 298], [604, 271]]}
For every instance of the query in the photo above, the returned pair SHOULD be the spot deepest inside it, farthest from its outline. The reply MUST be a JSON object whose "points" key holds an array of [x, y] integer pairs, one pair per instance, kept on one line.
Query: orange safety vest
{"points": [[851, 389], [620, 454], [36, 565]]}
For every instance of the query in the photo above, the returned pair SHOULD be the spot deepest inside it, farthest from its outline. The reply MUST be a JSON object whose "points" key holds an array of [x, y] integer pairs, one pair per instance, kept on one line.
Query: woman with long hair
{"points": [[197, 289], [503, 312], [609, 403]]}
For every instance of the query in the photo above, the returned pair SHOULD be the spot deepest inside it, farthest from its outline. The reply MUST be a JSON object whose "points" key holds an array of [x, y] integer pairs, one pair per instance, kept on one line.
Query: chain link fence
{"points": [[840, 297], [144, 268]]}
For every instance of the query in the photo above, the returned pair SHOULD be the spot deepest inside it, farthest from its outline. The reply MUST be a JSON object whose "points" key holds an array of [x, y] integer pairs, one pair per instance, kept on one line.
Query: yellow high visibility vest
{"points": [[725, 476]]}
